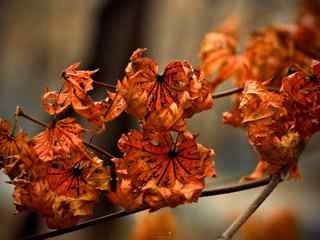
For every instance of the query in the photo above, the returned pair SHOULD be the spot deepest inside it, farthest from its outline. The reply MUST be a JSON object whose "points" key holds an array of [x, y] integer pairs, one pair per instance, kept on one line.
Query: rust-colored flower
{"points": [[77, 84], [59, 211], [302, 93], [218, 54], [77, 176], [105, 110], [74, 91], [8, 146], [17, 154], [126, 195], [149, 93], [65, 191], [59, 139], [270, 52], [269, 128], [165, 171]]}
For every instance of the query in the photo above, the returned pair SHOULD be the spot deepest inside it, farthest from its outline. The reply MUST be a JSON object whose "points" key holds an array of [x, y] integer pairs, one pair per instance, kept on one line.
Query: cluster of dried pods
{"points": [[59, 175]]}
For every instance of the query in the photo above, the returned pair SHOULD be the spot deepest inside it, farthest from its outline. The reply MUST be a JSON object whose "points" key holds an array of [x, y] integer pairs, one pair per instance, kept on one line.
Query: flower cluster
{"points": [[279, 106], [57, 173], [53, 173]]}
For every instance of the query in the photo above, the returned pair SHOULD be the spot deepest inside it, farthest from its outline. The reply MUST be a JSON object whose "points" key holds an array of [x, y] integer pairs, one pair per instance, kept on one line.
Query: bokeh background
{"points": [[38, 39]]}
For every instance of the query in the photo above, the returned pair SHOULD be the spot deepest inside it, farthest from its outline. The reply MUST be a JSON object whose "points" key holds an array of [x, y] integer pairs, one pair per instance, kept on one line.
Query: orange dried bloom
{"points": [[270, 52], [106, 110], [59, 211], [75, 92], [218, 54], [77, 176], [59, 140], [65, 191], [148, 94], [77, 84], [16, 152], [164, 171], [302, 92], [269, 130], [126, 195], [8, 146]]}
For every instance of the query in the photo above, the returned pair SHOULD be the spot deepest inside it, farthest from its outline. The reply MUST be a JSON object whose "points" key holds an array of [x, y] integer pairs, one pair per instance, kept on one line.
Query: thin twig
{"points": [[15, 123], [94, 147], [241, 186], [20, 113], [227, 93], [104, 85], [216, 191], [214, 96], [238, 222], [313, 54], [98, 149], [80, 226]]}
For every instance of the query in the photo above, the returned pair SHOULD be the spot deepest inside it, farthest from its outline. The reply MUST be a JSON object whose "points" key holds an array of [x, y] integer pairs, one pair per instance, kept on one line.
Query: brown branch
{"points": [[20, 113], [104, 85], [227, 93], [241, 186], [216, 191], [80, 226], [214, 96], [238, 222], [313, 54], [98, 149]]}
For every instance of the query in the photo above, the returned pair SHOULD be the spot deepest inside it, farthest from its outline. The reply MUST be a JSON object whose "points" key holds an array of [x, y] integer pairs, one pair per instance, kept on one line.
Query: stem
{"points": [[227, 93], [214, 96], [98, 149], [235, 226], [236, 187], [216, 191], [104, 85], [15, 123], [88, 223], [20, 113], [313, 54]]}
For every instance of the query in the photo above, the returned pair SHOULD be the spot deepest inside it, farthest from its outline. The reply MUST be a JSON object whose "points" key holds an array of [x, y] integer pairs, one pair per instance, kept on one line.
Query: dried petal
{"points": [[163, 98], [59, 140], [164, 171]]}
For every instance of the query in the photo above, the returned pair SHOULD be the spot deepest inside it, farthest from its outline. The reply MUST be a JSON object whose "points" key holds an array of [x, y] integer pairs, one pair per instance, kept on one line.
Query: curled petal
{"points": [[55, 103]]}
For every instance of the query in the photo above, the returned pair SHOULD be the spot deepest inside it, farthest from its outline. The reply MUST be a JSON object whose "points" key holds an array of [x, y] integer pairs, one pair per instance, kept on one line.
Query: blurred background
{"points": [[38, 39]]}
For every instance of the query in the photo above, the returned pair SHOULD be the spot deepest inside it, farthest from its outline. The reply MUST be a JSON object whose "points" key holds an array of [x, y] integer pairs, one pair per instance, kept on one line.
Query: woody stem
{"points": [[242, 219], [214, 96], [20, 113], [227, 93], [98, 149], [15, 123], [104, 85], [216, 191]]}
